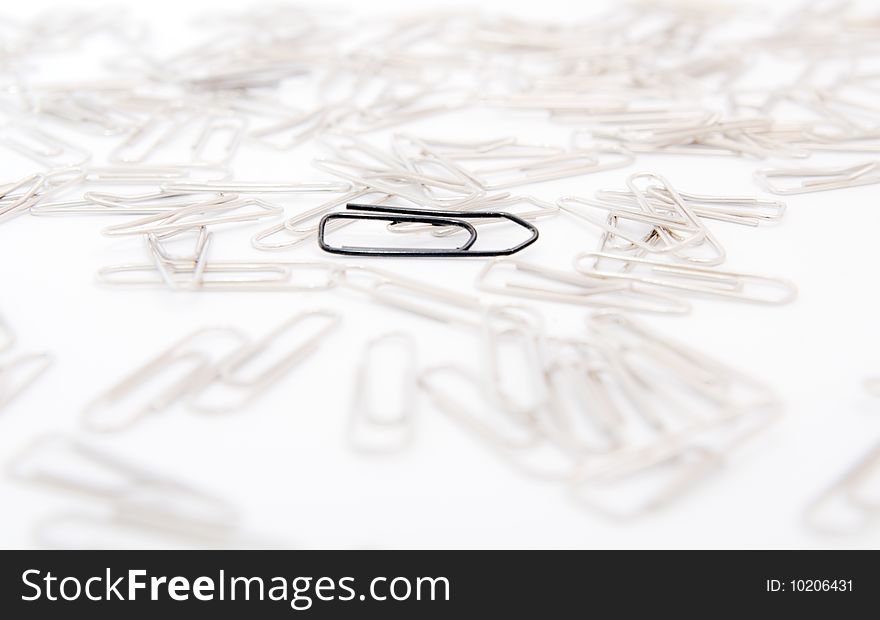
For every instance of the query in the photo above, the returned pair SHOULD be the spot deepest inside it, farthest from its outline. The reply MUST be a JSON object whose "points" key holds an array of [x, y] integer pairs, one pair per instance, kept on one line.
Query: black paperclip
{"points": [[396, 215]]}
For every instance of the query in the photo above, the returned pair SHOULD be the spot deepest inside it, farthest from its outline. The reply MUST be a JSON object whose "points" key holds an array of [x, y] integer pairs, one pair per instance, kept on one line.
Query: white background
{"points": [[284, 462]]}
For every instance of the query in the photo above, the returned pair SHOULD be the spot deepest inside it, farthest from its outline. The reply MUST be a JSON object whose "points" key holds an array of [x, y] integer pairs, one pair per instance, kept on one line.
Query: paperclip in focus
{"points": [[420, 216]]}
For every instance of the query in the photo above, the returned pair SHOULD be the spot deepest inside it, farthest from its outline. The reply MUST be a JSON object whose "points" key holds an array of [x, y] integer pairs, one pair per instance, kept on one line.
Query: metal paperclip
{"points": [[703, 280], [572, 288], [255, 187], [32, 365], [678, 469], [7, 336], [183, 361], [421, 216], [195, 216], [43, 148], [146, 138], [151, 174], [229, 373], [734, 209], [134, 495], [846, 507], [216, 125], [12, 204], [580, 416], [517, 441], [275, 276], [524, 328], [372, 429], [261, 240], [414, 296], [819, 179]]}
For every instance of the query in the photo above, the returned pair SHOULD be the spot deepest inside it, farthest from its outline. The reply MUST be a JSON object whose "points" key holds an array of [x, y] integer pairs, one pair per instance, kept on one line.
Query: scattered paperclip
{"points": [[133, 495], [184, 362], [373, 429], [19, 373], [420, 216], [746, 287], [544, 283], [232, 374], [849, 505], [819, 179]]}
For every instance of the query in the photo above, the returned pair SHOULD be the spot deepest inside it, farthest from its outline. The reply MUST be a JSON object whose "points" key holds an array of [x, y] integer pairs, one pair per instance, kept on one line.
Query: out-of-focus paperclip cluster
{"points": [[213, 370], [126, 502], [622, 417], [19, 371]]}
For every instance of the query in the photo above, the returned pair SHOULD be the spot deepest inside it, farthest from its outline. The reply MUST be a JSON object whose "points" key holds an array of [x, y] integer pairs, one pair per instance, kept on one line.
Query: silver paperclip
{"points": [[457, 392], [544, 283], [415, 296], [746, 287], [373, 429], [134, 495], [45, 149], [819, 179], [522, 393], [19, 373], [196, 216], [183, 363], [229, 128], [232, 374], [646, 481], [849, 505]]}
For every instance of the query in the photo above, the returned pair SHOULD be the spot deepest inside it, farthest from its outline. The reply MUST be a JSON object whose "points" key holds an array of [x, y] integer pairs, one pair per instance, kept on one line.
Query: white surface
{"points": [[284, 461]]}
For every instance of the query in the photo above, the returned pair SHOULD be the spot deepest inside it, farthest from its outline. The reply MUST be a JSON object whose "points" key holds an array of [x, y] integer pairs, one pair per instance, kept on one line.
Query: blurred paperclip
{"points": [[457, 392], [21, 370], [131, 495], [227, 129], [255, 187], [45, 149], [388, 362], [545, 283], [703, 280], [514, 336], [176, 371], [819, 179], [143, 174], [194, 272], [7, 337], [19, 373], [852, 503], [414, 296], [232, 383], [394, 215]]}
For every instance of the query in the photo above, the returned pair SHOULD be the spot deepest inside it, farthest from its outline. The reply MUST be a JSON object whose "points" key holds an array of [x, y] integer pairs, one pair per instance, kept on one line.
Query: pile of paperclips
{"points": [[611, 406]]}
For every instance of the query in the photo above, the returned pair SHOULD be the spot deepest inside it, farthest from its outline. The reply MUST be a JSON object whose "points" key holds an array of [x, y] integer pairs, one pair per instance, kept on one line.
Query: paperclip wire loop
{"points": [[422, 216], [702, 280], [181, 360], [371, 431]]}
